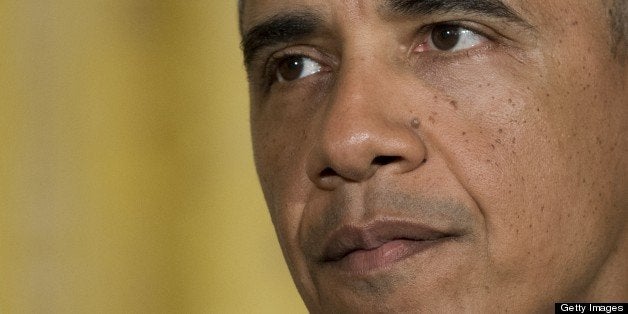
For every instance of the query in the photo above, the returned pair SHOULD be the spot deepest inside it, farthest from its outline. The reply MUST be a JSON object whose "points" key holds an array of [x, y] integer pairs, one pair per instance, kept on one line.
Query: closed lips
{"points": [[381, 241]]}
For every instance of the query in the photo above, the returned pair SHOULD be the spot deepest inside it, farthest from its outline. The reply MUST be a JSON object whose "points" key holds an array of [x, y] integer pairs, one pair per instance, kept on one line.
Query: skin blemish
{"points": [[415, 123], [431, 117], [454, 104], [464, 133], [500, 131]]}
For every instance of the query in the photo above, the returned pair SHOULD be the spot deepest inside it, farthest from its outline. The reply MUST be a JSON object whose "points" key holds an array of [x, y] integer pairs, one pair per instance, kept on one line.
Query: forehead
{"points": [[253, 11], [536, 11]]}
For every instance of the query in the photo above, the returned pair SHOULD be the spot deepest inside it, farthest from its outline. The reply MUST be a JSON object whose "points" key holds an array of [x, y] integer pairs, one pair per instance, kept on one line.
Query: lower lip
{"points": [[365, 261]]}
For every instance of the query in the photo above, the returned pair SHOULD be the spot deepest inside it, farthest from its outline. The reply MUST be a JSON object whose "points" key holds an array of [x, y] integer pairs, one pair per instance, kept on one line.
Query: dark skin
{"points": [[460, 158]]}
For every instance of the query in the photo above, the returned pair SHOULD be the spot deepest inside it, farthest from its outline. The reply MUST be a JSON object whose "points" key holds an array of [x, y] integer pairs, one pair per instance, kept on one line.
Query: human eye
{"points": [[450, 38], [294, 67]]}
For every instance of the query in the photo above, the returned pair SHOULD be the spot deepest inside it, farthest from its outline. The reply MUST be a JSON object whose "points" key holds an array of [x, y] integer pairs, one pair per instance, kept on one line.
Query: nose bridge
{"points": [[361, 87], [355, 98], [362, 67], [354, 115]]}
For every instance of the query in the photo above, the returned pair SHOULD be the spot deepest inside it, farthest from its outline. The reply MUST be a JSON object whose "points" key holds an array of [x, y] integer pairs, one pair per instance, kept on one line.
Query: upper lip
{"points": [[350, 238]]}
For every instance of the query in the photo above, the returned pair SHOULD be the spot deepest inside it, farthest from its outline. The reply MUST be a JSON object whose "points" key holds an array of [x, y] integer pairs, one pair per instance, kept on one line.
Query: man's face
{"points": [[441, 155]]}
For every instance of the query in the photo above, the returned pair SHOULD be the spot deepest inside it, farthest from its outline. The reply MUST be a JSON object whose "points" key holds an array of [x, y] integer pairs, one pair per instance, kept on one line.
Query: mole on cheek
{"points": [[415, 123], [454, 104]]}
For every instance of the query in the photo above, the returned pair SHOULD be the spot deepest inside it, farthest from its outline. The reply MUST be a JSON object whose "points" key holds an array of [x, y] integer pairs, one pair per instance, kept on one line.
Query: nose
{"points": [[366, 129]]}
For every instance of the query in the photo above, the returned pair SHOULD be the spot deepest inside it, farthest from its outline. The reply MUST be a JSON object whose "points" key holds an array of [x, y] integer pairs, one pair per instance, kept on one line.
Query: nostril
{"points": [[385, 160], [328, 172]]}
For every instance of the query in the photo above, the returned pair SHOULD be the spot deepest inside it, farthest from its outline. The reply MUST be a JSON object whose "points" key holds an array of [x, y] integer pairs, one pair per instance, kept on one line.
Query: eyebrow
{"points": [[491, 8], [280, 28], [291, 26]]}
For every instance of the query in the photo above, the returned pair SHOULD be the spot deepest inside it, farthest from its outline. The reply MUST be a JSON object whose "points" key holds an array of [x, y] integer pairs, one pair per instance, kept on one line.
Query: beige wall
{"points": [[126, 177]]}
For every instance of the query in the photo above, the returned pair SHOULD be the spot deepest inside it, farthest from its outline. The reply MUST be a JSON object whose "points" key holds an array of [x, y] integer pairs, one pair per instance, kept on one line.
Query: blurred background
{"points": [[126, 176]]}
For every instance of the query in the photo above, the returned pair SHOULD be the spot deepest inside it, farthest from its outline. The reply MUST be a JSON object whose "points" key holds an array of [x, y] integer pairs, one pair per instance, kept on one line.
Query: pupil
{"points": [[291, 68], [445, 37]]}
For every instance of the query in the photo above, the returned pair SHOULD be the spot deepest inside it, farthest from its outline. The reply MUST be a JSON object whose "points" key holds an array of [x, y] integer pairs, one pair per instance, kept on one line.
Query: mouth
{"points": [[379, 245]]}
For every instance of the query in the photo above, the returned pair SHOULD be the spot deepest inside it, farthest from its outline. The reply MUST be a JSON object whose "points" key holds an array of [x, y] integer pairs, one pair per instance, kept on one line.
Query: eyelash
{"points": [[270, 68], [426, 33]]}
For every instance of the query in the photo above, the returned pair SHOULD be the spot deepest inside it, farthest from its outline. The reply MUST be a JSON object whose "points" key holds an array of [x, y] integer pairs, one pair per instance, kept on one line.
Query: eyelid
{"points": [[424, 33], [270, 67], [309, 64]]}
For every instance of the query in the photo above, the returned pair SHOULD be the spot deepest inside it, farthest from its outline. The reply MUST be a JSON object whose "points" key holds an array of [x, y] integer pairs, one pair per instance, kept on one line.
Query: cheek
{"points": [[500, 152], [496, 122], [280, 147], [277, 158], [280, 160], [528, 152], [281, 138]]}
